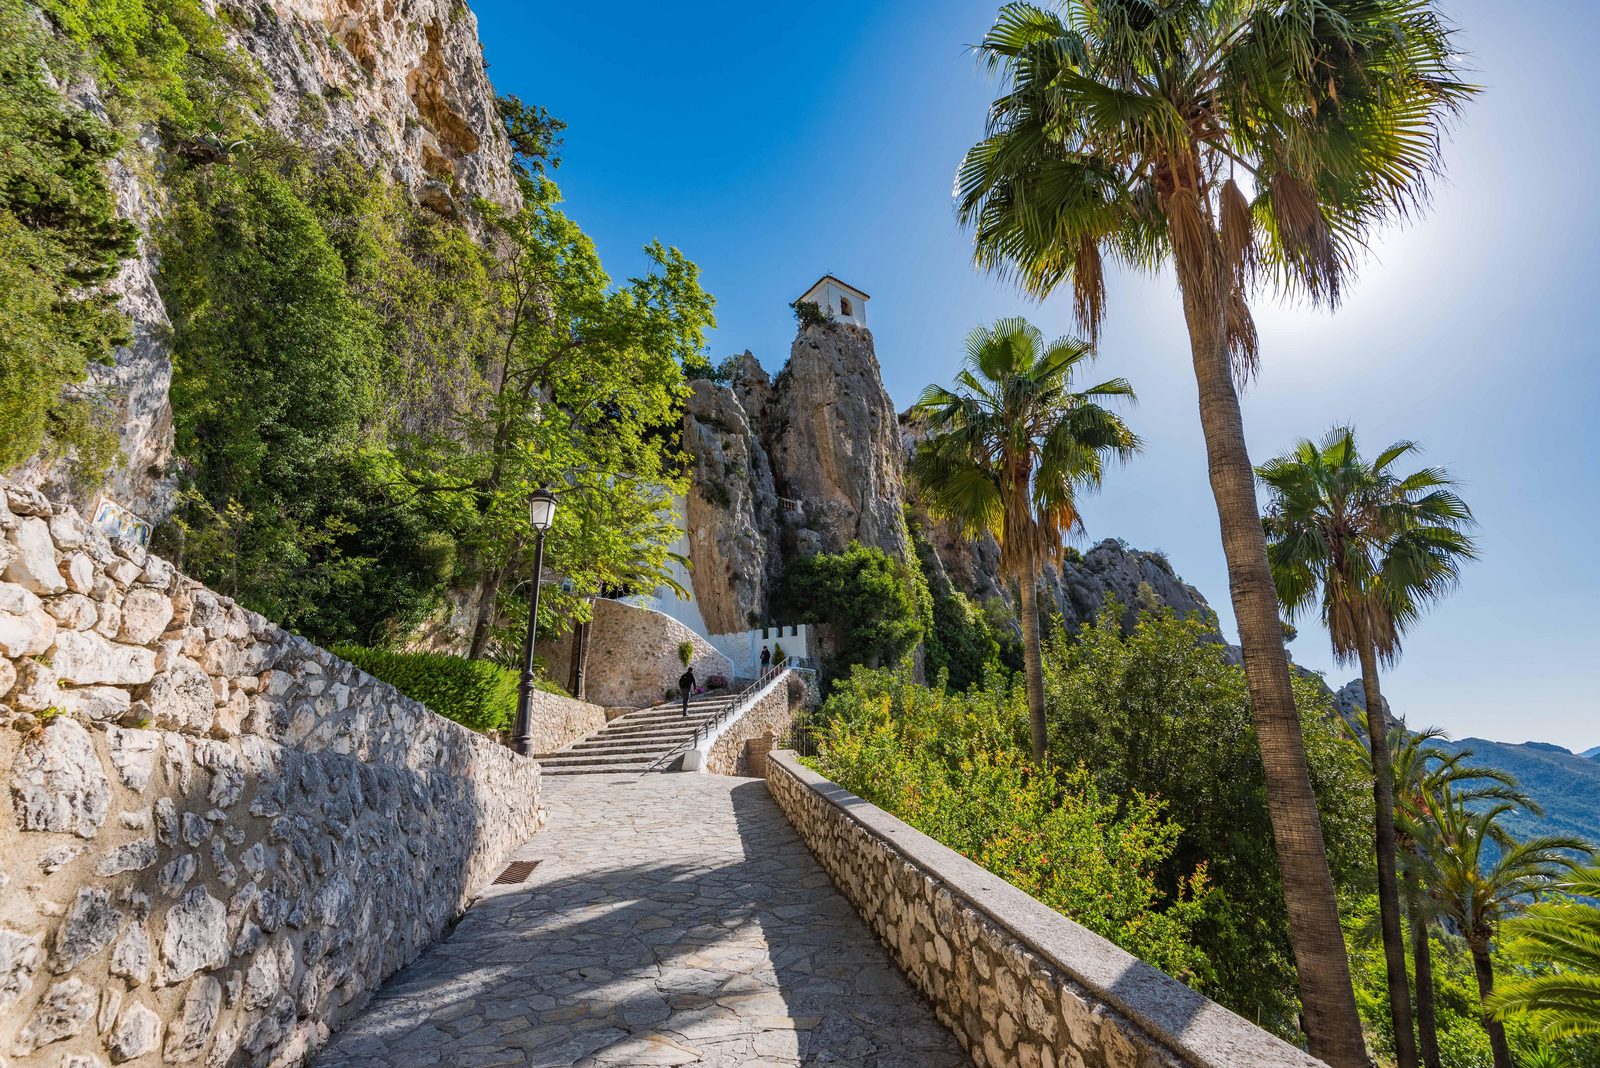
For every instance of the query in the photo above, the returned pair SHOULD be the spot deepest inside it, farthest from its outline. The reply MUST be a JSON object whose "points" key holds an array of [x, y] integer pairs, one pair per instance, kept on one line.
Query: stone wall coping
{"points": [[1196, 1028]]}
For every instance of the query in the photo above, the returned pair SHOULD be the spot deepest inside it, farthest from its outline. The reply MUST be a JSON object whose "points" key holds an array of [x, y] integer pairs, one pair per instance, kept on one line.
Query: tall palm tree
{"points": [[1371, 547], [1561, 939], [1423, 770], [1007, 452], [1245, 142], [1479, 876]]}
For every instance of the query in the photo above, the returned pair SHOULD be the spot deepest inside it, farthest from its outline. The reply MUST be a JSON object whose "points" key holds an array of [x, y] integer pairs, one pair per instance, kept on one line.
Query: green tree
{"points": [[1119, 134], [582, 387], [1160, 710], [1480, 876], [1009, 450], [870, 602], [1558, 943], [1370, 547]]}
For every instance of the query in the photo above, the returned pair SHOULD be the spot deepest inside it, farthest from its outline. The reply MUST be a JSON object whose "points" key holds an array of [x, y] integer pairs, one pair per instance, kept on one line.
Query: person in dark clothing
{"points": [[766, 658], [686, 684]]}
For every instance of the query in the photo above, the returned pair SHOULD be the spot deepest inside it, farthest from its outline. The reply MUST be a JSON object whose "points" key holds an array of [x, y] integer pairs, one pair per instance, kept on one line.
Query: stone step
{"points": [[602, 762], [600, 741], [608, 769]]}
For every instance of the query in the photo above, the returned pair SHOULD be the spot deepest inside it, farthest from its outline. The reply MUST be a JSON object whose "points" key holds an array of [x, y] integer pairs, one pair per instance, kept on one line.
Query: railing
{"points": [[731, 711]]}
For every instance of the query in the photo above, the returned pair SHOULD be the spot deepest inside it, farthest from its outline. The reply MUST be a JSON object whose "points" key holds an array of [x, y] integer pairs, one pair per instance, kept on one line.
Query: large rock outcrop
{"points": [[732, 511], [834, 439], [399, 85]]}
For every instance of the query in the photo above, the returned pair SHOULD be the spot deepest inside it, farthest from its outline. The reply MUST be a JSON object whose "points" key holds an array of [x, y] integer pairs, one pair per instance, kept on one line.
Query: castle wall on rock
{"points": [[399, 86], [215, 838], [633, 656]]}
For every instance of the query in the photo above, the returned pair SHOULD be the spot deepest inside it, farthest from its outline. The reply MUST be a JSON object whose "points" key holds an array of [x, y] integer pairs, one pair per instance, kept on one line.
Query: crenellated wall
{"points": [[1017, 982], [216, 839]]}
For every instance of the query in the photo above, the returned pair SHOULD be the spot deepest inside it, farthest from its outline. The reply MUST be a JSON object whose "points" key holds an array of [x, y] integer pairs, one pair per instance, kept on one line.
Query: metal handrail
{"points": [[734, 707]]}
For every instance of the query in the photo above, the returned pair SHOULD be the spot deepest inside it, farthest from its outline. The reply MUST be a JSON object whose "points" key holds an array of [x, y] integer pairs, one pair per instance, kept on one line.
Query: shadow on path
{"points": [[673, 919]]}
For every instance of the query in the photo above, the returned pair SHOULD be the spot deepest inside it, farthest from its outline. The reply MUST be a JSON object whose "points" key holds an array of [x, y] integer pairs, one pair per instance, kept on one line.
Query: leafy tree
{"points": [[1120, 132], [534, 133], [869, 601], [583, 385], [1558, 943], [955, 766], [1160, 711], [1480, 876], [1371, 548], [1008, 451]]}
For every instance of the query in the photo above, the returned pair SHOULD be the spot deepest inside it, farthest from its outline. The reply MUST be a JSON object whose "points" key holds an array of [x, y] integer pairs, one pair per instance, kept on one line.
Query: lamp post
{"points": [[541, 514]]}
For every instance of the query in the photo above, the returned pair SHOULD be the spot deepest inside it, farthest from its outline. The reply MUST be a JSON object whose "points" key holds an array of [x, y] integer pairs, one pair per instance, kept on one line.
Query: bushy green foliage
{"points": [[1162, 712], [873, 604], [60, 241], [963, 643], [155, 58], [955, 766], [474, 693]]}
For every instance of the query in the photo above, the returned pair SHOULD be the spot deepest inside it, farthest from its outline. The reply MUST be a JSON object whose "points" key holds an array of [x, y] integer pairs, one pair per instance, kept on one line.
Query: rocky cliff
{"points": [[398, 84], [815, 458]]}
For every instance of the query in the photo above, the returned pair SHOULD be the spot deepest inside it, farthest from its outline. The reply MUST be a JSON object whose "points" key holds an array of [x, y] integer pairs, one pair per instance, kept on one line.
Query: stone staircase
{"points": [[636, 741]]}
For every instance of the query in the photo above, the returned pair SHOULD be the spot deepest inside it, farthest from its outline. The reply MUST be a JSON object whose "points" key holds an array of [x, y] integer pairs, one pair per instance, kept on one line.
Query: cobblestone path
{"points": [[672, 919]]}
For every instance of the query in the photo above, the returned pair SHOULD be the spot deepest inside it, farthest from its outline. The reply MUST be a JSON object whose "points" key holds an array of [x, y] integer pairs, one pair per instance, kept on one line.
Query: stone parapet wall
{"points": [[1018, 983], [216, 839], [774, 711], [559, 721]]}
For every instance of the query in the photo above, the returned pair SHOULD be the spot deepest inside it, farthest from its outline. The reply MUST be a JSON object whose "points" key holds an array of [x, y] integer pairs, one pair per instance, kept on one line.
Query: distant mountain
{"points": [[1592, 754], [1565, 783]]}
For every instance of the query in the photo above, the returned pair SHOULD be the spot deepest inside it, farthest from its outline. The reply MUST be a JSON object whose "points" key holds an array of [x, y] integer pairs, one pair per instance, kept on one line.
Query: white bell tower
{"points": [[839, 299]]}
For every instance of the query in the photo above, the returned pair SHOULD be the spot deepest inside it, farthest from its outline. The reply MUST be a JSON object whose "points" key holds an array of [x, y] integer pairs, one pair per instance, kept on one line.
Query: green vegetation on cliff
{"points": [[60, 242]]}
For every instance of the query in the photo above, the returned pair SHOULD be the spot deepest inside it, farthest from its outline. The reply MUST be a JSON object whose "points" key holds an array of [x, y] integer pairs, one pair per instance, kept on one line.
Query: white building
{"points": [[844, 302]]}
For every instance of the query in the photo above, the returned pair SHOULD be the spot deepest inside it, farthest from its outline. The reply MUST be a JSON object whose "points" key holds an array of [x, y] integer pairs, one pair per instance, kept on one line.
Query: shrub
{"points": [[874, 604], [956, 767], [686, 651], [810, 313], [475, 693]]}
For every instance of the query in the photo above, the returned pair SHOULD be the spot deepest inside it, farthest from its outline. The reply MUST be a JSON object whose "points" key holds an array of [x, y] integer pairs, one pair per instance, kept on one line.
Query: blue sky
{"points": [[773, 143]]}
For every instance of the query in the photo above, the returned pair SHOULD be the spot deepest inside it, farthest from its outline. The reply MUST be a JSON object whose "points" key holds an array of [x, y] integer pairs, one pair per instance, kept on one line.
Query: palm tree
{"points": [[1371, 547], [1424, 770], [1008, 451], [1561, 940], [1131, 130], [1479, 876]]}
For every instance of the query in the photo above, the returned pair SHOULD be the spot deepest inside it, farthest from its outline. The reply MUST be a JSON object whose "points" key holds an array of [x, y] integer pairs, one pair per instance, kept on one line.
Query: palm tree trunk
{"points": [[1033, 665], [1394, 945], [1333, 1028], [1485, 971], [1422, 956]]}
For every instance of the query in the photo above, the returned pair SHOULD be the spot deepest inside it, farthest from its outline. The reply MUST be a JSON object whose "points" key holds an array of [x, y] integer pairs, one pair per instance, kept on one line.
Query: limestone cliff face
{"points": [[400, 84], [835, 443], [804, 463], [732, 511]]}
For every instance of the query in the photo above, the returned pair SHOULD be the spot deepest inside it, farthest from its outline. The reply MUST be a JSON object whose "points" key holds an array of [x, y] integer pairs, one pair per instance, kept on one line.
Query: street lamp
{"points": [[541, 514]]}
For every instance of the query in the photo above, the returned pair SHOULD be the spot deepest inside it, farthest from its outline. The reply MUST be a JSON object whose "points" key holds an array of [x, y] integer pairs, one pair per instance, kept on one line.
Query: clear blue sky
{"points": [[775, 142]]}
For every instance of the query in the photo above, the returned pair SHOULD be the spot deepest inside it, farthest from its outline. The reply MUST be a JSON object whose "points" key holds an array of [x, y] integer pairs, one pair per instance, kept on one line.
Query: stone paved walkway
{"points": [[673, 919]]}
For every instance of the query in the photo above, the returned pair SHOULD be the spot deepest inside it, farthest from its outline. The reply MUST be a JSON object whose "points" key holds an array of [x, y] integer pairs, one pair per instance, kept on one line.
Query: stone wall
{"points": [[1018, 983], [633, 656], [216, 839], [559, 721], [773, 711]]}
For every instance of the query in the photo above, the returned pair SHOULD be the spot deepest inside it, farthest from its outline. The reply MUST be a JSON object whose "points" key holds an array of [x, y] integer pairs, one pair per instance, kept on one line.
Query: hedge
{"points": [[475, 693]]}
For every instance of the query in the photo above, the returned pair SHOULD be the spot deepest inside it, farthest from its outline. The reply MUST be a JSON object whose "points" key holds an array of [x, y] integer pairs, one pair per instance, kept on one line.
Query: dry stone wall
{"points": [[1018, 983], [215, 838], [633, 656], [559, 721]]}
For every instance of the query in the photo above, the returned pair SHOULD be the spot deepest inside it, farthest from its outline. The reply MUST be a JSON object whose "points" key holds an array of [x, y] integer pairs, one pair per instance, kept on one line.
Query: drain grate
{"points": [[516, 872]]}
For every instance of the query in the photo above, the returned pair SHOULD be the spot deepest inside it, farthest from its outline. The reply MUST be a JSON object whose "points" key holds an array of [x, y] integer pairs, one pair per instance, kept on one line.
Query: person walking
{"points": [[686, 684], [766, 659]]}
